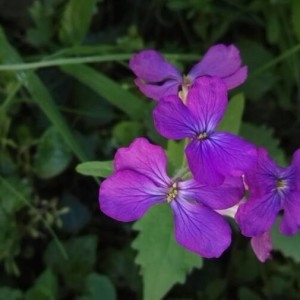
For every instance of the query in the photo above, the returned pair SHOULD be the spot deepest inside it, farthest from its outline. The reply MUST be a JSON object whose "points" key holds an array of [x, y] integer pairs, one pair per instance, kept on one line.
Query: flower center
{"points": [[202, 136], [186, 84], [173, 192], [281, 184]]}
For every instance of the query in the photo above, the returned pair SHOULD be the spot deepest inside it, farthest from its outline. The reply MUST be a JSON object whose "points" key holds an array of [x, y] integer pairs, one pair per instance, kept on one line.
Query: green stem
{"points": [[82, 60]]}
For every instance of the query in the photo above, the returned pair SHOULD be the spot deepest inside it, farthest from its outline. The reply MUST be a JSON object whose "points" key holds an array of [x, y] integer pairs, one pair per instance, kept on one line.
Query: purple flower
{"points": [[140, 181], [272, 189], [211, 155], [157, 78]]}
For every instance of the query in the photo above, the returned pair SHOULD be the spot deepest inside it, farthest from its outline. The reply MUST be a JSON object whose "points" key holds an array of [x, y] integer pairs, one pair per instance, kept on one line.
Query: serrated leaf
{"points": [[76, 20], [163, 262], [45, 287], [98, 287], [53, 154], [231, 122], [289, 246], [81, 253], [96, 168], [263, 137]]}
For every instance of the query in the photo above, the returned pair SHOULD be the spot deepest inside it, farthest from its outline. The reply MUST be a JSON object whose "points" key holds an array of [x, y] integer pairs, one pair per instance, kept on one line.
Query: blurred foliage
{"points": [[68, 97]]}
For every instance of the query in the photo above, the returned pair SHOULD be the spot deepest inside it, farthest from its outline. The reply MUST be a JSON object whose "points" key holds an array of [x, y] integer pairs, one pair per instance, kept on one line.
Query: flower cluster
{"points": [[221, 165]]}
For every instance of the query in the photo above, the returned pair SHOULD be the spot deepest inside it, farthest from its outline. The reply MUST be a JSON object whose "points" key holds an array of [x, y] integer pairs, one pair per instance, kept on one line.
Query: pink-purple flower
{"points": [[140, 181], [272, 189], [157, 78], [211, 155]]}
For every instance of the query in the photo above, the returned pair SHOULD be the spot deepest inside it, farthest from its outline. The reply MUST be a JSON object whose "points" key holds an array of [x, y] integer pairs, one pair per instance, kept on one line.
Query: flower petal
{"points": [[200, 229], [236, 78], [155, 91], [262, 246], [220, 155], [224, 196], [173, 120], [296, 166], [221, 61], [150, 66], [145, 158], [207, 101], [262, 178], [127, 195], [258, 214], [290, 223]]}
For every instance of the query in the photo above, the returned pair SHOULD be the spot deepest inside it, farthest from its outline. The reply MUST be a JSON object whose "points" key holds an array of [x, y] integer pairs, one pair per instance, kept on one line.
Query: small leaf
{"points": [[53, 154], [45, 287], [98, 287], [234, 113], [96, 168], [76, 20], [163, 262]]}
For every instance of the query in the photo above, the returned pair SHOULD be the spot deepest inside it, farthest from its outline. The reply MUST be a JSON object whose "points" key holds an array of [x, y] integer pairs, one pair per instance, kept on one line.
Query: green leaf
{"points": [[45, 287], [77, 216], [289, 246], [163, 262], [40, 34], [257, 85], [125, 131], [108, 89], [295, 8], [247, 294], [234, 113], [81, 253], [96, 168], [9, 202], [7, 293], [76, 21], [98, 287], [53, 154], [176, 156], [40, 94], [263, 137]]}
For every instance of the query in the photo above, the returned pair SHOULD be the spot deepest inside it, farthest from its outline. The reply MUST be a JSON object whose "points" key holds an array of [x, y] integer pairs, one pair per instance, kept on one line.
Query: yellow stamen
{"points": [[281, 184], [186, 84], [173, 192], [202, 136]]}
